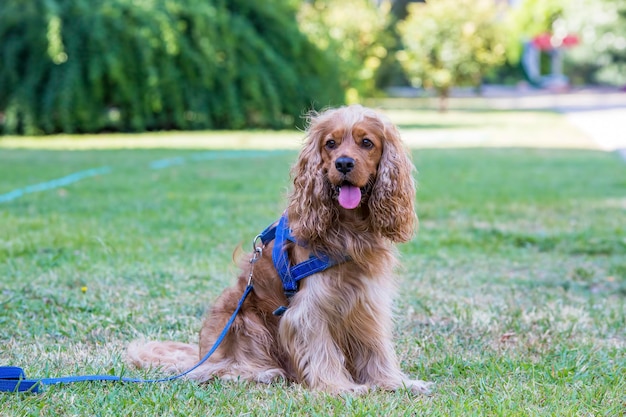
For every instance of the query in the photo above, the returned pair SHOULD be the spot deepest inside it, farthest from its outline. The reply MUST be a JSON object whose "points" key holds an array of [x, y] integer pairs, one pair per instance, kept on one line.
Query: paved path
{"points": [[599, 113], [607, 127]]}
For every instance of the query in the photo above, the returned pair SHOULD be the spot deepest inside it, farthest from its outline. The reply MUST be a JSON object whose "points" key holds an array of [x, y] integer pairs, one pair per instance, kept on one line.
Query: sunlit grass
{"points": [[420, 129], [170, 140]]}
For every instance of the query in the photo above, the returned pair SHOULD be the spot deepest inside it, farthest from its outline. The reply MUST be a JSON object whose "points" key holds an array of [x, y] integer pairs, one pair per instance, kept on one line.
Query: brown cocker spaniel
{"points": [[353, 197]]}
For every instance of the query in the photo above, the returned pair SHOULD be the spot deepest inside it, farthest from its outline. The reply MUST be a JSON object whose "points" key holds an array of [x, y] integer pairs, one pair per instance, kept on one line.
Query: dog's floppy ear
{"points": [[392, 203], [310, 209]]}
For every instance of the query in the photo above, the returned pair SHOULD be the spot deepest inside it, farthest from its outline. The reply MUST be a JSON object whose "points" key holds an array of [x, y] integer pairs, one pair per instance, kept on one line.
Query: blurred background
{"points": [[84, 66]]}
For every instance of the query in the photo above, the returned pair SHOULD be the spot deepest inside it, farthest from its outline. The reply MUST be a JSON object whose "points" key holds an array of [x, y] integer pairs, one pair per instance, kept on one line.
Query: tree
{"points": [[353, 31], [451, 43], [529, 19], [126, 65], [601, 55]]}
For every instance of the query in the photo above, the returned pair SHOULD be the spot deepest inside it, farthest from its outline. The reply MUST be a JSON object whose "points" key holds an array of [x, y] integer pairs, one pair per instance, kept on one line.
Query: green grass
{"points": [[512, 294]]}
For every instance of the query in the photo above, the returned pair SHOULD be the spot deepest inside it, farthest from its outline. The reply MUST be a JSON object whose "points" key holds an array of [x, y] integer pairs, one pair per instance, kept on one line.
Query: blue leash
{"points": [[13, 379]]}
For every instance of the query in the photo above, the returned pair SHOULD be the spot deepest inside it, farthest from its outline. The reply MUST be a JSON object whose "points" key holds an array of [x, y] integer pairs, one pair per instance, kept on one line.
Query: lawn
{"points": [[512, 294]]}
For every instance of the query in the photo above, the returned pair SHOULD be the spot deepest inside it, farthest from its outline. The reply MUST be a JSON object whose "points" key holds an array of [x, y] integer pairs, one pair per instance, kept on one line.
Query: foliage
{"points": [[601, 55], [353, 31], [450, 43], [84, 66], [390, 72], [527, 20], [601, 26]]}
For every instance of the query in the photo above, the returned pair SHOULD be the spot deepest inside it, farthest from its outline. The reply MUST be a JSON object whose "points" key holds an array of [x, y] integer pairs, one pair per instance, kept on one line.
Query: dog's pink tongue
{"points": [[349, 196]]}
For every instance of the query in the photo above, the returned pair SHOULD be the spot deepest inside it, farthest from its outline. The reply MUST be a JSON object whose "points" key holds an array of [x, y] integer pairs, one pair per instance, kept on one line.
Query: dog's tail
{"points": [[171, 357]]}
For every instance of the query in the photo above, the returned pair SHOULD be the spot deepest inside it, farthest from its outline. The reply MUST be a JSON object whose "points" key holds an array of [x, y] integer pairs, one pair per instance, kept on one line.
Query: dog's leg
{"points": [[373, 355], [247, 350], [377, 366], [316, 358]]}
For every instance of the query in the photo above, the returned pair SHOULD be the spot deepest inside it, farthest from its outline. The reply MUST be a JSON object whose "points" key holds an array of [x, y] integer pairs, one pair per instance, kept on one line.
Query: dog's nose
{"points": [[344, 164]]}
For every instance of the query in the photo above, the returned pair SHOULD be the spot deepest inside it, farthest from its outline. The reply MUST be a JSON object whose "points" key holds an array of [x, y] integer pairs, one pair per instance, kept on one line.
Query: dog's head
{"points": [[353, 162]]}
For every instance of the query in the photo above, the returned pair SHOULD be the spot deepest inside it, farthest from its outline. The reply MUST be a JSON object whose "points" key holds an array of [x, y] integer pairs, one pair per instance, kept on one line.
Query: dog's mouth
{"points": [[350, 196]]}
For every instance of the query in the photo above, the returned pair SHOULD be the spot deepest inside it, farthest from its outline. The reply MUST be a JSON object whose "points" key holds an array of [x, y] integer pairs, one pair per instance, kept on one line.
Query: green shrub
{"points": [[450, 43], [127, 65], [600, 58], [353, 31]]}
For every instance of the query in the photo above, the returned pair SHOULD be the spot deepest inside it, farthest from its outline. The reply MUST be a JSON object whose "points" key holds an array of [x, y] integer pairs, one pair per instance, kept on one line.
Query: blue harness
{"points": [[291, 275], [13, 379]]}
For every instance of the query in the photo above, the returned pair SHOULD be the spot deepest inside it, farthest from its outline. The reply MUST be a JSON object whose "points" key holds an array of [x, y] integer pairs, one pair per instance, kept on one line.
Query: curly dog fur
{"points": [[336, 335]]}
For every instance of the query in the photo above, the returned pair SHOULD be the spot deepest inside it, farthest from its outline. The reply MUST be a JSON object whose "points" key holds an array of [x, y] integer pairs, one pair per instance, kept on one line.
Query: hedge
{"points": [[133, 65]]}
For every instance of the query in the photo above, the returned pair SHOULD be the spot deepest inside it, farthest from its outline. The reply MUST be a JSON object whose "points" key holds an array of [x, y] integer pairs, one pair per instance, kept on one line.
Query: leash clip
{"points": [[258, 252], [257, 248]]}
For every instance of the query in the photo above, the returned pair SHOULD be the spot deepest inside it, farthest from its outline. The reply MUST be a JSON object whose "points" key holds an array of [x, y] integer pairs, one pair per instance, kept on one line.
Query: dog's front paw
{"points": [[354, 389], [350, 389], [358, 390], [419, 387]]}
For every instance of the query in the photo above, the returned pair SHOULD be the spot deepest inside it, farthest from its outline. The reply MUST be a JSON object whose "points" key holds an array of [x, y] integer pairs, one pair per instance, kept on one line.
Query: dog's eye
{"points": [[367, 144], [330, 144]]}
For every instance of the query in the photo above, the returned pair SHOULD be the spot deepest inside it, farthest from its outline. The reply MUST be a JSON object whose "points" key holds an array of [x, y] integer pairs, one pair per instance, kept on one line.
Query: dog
{"points": [[352, 199]]}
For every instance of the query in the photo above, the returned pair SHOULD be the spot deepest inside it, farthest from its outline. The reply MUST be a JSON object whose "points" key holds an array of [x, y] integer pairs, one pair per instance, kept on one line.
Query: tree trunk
{"points": [[444, 93]]}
